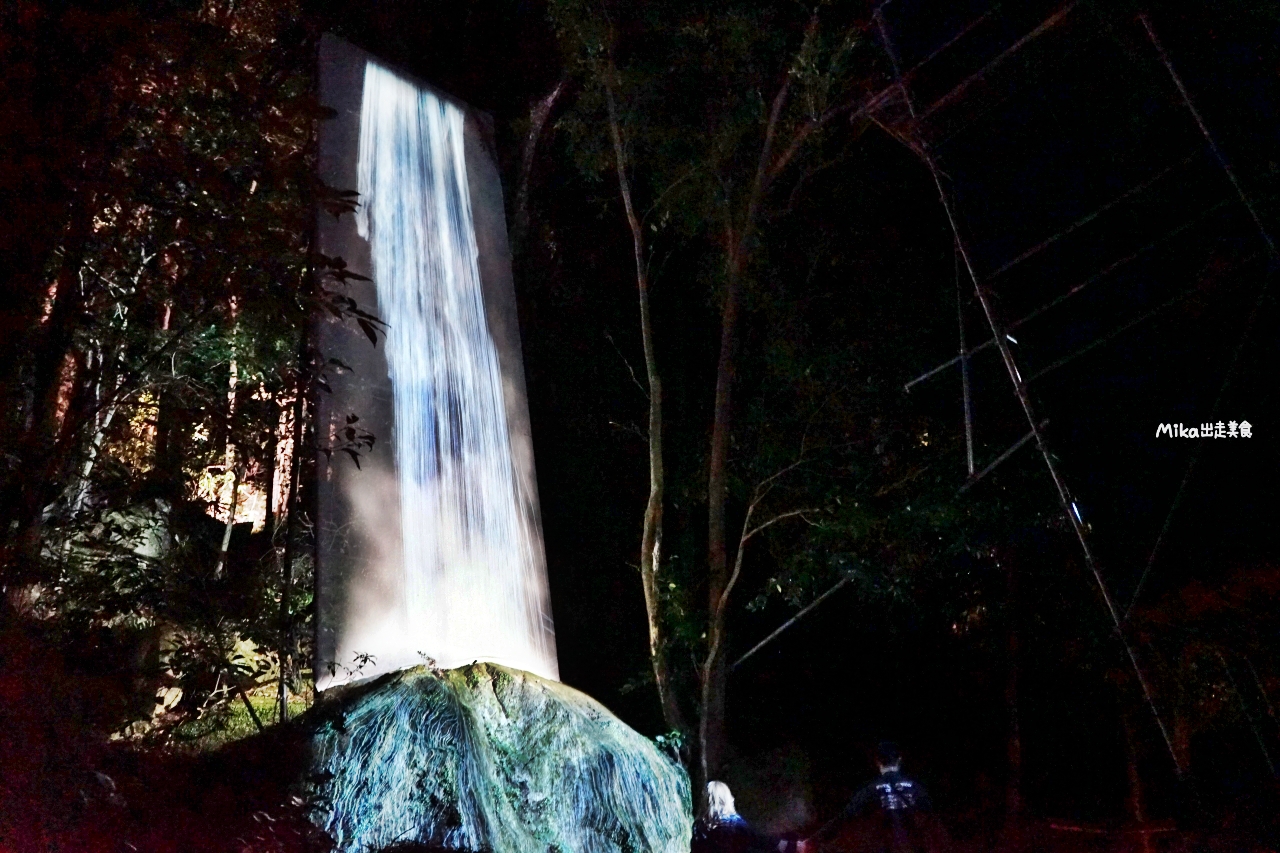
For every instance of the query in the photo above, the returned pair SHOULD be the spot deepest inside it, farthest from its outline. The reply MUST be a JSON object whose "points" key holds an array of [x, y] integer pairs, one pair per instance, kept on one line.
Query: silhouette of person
{"points": [[722, 830], [895, 803]]}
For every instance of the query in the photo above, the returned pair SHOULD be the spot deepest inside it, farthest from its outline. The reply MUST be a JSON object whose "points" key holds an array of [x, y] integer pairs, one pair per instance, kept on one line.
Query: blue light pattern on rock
{"points": [[484, 758]]}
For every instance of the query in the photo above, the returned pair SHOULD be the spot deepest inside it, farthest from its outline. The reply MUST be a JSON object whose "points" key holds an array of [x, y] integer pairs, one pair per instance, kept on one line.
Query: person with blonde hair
{"points": [[721, 829]]}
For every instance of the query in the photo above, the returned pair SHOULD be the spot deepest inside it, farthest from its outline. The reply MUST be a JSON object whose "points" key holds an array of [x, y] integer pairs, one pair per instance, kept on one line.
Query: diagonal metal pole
{"points": [[1204, 131], [1074, 290], [1068, 503], [1249, 323], [1012, 449], [1136, 321], [1089, 217], [957, 92], [793, 620], [964, 373], [1248, 714]]}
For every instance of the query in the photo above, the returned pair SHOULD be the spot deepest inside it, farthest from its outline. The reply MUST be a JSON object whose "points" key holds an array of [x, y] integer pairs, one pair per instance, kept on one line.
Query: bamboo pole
{"points": [[1014, 448], [1204, 131], [1075, 289], [1253, 315], [793, 620], [1066, 500], [964, 373]]}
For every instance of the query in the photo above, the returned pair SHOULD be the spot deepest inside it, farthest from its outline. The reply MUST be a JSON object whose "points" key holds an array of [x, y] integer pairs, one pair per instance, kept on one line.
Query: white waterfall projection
{"points": [[474, 577]]}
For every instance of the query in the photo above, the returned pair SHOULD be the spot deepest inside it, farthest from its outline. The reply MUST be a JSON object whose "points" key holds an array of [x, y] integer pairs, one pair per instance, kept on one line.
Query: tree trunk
{"points": [[232, 461], [102, 423], [736, 247], [714, 674], [270, 453], [35, 476], [291, 513], [167, 465], [232, 503], [651, 536], [253, 715]]}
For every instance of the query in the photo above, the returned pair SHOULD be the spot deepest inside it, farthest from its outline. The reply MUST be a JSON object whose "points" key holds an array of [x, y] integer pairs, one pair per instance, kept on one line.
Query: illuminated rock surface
{"points": [[485, 758]]}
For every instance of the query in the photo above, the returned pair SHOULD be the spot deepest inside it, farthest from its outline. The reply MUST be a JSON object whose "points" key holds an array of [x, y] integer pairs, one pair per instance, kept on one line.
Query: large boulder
{"points": [[485, 758]]}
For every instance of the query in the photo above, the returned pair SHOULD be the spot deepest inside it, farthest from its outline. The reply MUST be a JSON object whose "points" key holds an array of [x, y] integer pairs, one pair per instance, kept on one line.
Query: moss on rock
{"points": [[485, 758]]}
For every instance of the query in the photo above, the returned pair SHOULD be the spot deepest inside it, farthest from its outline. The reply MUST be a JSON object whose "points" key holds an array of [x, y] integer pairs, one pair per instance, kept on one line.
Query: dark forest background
{"points": [[157, 372]]}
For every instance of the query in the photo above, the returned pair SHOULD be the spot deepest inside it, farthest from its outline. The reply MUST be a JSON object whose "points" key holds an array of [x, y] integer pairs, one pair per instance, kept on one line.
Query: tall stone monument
{"points": [[432, 547]]}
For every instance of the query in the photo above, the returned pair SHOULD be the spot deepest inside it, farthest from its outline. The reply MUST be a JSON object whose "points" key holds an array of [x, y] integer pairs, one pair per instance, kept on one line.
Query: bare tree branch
{"points": [[538, 116], [608, 337]]}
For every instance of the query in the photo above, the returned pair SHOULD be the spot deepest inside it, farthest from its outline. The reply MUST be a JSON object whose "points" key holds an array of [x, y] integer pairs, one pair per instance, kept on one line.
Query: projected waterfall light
{"points": [[473, 578]]}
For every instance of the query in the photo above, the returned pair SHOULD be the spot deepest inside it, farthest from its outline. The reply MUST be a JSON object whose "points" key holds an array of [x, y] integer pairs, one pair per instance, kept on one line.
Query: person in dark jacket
{"points": [[722, 830], [896, 804]]}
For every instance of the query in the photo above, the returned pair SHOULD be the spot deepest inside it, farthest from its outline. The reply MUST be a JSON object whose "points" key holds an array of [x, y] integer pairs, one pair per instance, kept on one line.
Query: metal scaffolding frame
{"points": [[910, 131]]}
